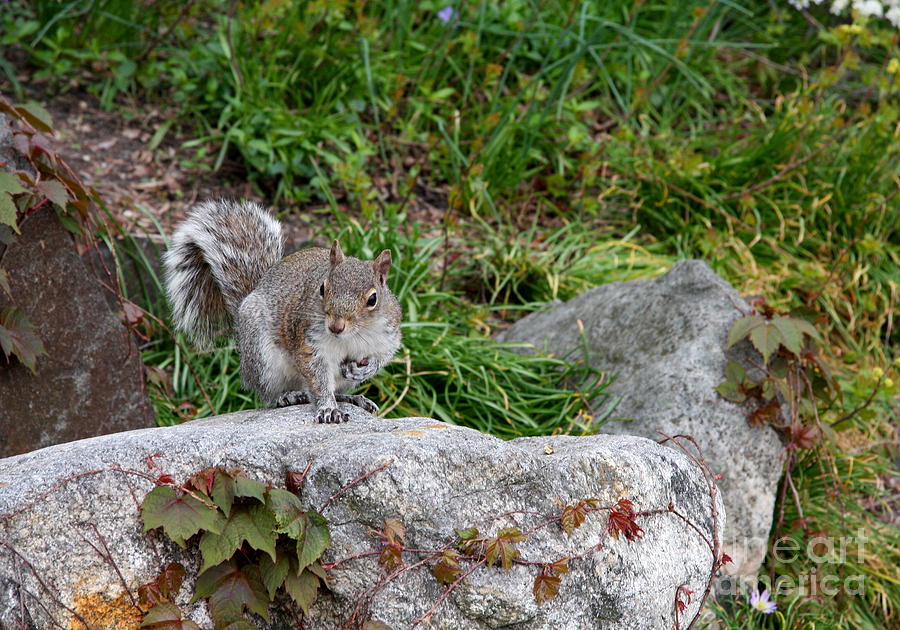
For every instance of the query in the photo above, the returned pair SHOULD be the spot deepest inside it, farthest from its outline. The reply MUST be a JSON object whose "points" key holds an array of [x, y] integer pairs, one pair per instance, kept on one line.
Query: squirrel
{"points": [[309, 327]]}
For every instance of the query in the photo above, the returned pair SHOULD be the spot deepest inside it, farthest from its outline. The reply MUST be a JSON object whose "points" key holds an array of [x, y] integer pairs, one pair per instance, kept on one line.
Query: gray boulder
{"points": [[664, 341], [71, 540]]}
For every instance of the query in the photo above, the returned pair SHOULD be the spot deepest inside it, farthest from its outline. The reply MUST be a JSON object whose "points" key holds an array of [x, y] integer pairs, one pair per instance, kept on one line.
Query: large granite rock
{"points": [[90, 382], [63, 506], [664, 341]]}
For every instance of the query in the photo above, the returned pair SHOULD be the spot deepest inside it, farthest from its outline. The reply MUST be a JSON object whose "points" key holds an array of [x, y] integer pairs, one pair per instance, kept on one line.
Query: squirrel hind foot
{"points": [[327, 415], [289, 399], [360, 401]]}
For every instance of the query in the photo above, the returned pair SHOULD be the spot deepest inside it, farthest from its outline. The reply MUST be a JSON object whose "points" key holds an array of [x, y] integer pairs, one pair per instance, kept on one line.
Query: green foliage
{"points": [[252, 540]]}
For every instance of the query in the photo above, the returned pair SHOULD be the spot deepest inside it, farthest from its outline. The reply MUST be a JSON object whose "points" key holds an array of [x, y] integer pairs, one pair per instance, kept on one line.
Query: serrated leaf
{"points": [[273, 573], [288, 511], [167, 616], [8, 212], [303, 589], [244, 487], [731, 391], [222, 492], [467, 534], [54, 191], [571, 518], [513, 534], [766, 339], [231, 589], [447, 569], [742, 327], [791, 336], [36, 115], [17, 337], [735, 372], [180, 515], [500, 549], [314, 540], [545, 587], [255, 525], [9, 183]]}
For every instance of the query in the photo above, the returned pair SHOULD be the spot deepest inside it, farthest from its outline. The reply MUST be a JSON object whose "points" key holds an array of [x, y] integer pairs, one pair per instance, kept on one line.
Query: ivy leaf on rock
{"points": [[314, 540], [573, 516], [17, 337], [167, 616], [230, 590], [743, 327], [503, 547], [164, 587], [302, 588], [545, 587], [766, 339], [447, 569], [179, 514], [255, 525], [54, 191], [274, 573], [791, 337], [288, 511]]}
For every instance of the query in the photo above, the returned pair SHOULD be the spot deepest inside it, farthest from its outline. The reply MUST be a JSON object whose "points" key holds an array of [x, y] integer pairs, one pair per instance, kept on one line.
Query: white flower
{"points": [[839, 6], [893, 15], [869, 7]]}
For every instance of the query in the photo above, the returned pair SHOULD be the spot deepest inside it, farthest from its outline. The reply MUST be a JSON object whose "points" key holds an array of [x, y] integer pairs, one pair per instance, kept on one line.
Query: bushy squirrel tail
{"points": [[215, 258]]}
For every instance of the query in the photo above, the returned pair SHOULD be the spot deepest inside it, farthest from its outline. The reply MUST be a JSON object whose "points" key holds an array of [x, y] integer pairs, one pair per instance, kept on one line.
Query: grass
{"points": [[572, 144]]}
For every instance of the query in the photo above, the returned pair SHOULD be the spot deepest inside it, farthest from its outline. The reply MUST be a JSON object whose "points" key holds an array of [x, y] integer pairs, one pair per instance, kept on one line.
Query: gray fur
{"points": [[215, 259]]}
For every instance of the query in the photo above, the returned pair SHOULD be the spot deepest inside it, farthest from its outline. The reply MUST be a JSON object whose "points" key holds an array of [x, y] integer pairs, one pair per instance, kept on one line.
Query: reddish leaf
{"points": [[390, 557], [805, 436], [768, 413], [447, 569], [621, 521], [294, 482], [164, 587], [503, 548], [54, 191], [17, 337], [167, 616], [132, 314], [559, 567], [231, 589], [394, 531], [545, 587]]}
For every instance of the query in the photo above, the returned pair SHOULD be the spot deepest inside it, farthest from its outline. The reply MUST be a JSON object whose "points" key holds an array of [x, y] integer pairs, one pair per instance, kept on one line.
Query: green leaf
{"points": [[244, 487], [167, 616], [734, 372], [223, 491], [179, 514], [302, 588], [17, 337], [255, 525], [273, 573], [314, 540], [8, 212], [742, 327], [36, 115], [791, 336], [731, 391], [288, 511], [467, 534], [54, 191], [9, 183], [766, 338]]}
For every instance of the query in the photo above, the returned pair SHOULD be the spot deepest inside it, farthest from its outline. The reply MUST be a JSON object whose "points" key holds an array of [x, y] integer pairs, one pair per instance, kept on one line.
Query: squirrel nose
{"points": [[337, 326]]}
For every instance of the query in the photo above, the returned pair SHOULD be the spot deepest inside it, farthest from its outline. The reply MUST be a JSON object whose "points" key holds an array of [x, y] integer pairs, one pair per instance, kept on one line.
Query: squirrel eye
{"points": [[372, 300], [322, 290]]}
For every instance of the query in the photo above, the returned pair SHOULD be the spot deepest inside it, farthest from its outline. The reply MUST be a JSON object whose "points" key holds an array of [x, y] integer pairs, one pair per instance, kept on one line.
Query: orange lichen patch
{"points": [[102, 614], [412, 433]]}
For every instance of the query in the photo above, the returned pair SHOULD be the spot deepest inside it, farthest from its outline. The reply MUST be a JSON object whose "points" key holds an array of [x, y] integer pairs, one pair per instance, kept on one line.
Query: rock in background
{"points": [[664, 341], [90, 381], [64, 506]]}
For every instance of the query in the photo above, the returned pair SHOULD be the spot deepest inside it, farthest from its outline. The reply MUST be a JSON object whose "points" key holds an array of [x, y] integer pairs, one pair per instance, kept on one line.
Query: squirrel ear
{"points": [[382, 265], [336, 255]]}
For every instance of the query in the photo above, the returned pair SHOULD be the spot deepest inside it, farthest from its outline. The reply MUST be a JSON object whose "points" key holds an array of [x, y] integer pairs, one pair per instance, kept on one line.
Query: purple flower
{"points": [[446, 14], [760, 601]]}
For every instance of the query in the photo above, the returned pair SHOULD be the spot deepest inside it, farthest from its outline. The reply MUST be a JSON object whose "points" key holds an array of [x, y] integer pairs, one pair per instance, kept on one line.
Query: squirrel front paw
{"points": [[287, 399], [331, 415], [358, 370], [360, 401]]}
